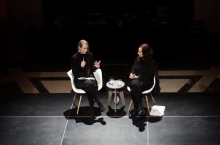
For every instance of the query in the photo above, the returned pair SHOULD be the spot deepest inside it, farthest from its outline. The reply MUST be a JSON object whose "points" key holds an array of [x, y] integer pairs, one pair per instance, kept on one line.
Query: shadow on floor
{"points": [[84, 116], [140, 121], [116, 113]]}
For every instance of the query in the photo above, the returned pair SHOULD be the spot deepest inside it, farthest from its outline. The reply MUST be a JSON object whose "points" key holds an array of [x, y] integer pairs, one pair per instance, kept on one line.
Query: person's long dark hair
{"points": [[147, 54]]}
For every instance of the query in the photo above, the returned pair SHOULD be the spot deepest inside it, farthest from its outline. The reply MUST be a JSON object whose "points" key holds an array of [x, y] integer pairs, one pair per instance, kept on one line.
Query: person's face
{"points": [[83, 49], [140, 54]]}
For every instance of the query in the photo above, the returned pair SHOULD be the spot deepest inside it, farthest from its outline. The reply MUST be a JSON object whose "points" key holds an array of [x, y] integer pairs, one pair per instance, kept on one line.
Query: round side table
{"points": [[115, 88]]}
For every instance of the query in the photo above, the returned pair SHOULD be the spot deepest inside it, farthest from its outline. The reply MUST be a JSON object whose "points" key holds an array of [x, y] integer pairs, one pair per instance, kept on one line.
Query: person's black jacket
{"points": [[144, 71], [79, 71]]}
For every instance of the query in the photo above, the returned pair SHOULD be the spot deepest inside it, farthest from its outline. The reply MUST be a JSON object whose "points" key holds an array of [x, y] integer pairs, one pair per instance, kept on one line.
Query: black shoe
{"points": [[92, 114], [141, 110], [133, 113], [101, 107]]}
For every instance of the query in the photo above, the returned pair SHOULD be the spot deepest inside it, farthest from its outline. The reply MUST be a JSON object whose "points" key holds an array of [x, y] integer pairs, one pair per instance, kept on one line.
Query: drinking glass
{"points": [[119, 82], [111, 79]]}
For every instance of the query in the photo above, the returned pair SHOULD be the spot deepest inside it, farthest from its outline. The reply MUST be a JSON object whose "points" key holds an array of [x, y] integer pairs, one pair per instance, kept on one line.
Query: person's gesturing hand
{"points": [[97, 64]]}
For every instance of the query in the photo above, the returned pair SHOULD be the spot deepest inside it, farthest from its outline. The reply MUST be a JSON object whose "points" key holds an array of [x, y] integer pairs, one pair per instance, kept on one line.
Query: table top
{"points": [[115, 85]]}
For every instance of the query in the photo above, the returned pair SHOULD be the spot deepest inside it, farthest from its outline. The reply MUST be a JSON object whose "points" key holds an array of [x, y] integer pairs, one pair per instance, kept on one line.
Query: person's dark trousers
{"points": [[137, 87], [90, 88], [136, 92]]}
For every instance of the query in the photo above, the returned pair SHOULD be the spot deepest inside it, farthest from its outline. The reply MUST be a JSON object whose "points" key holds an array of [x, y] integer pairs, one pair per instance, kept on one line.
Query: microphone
{"points": [[83, 60]]}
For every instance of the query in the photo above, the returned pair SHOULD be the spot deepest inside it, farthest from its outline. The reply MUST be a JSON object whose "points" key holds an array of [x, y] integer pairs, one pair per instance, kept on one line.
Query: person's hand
{"points": [[97, 64], [132, 76], [83, 63]]}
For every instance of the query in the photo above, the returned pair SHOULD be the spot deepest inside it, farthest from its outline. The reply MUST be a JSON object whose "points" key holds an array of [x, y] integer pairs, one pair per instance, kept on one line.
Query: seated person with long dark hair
{"points": [[141, 77], [83, 65]]}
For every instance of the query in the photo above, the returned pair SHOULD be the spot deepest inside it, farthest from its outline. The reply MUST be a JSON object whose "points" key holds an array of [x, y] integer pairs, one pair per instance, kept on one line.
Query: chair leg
{"points": [[77, 111], [130, 105], [74, 98], [152, 98], [148, 107]]}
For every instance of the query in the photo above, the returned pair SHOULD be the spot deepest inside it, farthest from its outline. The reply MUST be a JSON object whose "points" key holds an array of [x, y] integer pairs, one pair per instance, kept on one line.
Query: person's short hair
{"points": [[81, 42]]}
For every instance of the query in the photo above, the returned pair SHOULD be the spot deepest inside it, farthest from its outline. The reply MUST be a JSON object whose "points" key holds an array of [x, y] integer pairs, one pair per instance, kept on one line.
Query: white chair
{"points": [[145, 93], [98, 76]]}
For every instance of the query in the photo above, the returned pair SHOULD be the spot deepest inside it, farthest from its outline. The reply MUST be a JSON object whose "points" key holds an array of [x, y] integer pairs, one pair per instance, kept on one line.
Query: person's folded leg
{"points": [[95, 96], [92, 87], [136, 93], [90, 99]]}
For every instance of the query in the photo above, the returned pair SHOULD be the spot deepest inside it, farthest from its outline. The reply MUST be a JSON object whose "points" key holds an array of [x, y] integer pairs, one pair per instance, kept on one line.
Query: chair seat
{"points": [[147, 91], [144, 92], [79, 91]]}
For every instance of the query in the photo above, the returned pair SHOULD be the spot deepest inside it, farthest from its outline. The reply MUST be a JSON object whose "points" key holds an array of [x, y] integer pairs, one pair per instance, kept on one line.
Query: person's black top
{"points": [[144, 71], [87, 70]]}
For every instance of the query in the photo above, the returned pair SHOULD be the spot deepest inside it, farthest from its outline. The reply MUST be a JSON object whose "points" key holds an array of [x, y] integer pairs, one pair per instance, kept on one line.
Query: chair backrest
{"points": [[146, 91], [149, 90], [97, 75], [80, 91]]}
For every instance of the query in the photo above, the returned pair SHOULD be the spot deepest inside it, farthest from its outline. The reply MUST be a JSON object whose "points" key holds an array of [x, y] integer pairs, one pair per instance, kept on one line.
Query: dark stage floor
{"points": [[189, 118]]}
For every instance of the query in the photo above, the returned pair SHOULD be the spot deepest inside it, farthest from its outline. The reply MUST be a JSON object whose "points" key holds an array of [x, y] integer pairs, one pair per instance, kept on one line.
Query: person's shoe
{"points": [[101, 107], [141, 110], [92, 114], [133, 113]]}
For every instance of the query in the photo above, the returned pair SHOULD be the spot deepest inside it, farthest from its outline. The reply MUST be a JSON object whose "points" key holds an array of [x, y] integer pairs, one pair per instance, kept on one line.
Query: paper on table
{"points": [[84, 78]]}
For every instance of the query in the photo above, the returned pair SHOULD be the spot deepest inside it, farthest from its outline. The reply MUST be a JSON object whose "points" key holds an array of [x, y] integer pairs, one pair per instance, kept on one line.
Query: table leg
{"points": [[121, 93], [109, 97], [116, 98]]}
